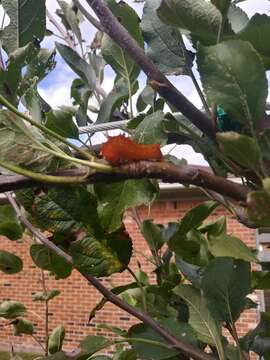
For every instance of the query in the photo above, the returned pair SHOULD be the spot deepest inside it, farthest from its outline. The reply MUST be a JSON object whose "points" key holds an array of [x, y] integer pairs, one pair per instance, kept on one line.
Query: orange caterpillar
{"points": [[119, 150]]}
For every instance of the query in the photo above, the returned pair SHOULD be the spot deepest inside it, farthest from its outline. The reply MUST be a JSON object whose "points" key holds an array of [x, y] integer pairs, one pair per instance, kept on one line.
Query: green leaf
{"points": [[56, 339], [189, 247], [10, 263], [114, 99], [61, 122], [27, 22], [45, 296], [47, 260], [226, 245], [11, 84], [117, 291], [164, 42], [18, 146], [192, 273], [124, 355], [152, 234], [81, 93], [115, 198], [257, 31], [226, 283], [71, 18], [216, 227], [102, 257], [200, 318], [223, 69], [92, 344], [146, 97], [22, 326], [238, 19], [78, 65], [151, 130], [180, 330], [119, 60], [9, 225], [41, 65], [54, 213], [199, 17], [12, 309], [242, 149], [258, 208], [194, 217]]}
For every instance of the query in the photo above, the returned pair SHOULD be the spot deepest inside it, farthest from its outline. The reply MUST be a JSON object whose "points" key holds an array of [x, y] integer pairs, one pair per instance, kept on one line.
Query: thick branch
{"points": [[167, 172], [177, 344], [157, 80]]}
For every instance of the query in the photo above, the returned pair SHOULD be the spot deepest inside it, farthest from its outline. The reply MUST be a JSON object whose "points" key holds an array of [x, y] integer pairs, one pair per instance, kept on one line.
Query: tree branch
{"points": [[165, 171], [114, 299], [157, 80]]}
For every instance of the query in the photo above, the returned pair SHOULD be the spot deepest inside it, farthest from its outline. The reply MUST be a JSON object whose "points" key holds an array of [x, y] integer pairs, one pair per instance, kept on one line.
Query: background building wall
{"points": [[72, 307]]}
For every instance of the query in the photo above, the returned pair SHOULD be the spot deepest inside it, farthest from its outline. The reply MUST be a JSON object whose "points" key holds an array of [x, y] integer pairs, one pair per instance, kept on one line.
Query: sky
{"points": [[55, 89]]}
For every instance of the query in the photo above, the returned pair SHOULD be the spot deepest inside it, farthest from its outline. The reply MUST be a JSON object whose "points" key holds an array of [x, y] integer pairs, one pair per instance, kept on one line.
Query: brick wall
{"points": [[77, 298]]}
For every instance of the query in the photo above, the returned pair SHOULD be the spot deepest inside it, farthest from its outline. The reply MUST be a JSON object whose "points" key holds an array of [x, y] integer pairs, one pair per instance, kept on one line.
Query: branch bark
{"points": [[183, 347], [165, 171], [157, 80]]}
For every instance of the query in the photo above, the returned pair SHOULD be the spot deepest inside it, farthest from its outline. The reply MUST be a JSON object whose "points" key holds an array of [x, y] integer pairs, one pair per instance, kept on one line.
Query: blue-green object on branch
{"points": [[225, 123]]}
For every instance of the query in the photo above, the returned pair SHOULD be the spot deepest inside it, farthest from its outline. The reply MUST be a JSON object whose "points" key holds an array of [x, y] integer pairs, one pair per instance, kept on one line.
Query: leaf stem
{"points": [[140, 286], [43, 128], [43, 178], [193, 78], [46, 315]]}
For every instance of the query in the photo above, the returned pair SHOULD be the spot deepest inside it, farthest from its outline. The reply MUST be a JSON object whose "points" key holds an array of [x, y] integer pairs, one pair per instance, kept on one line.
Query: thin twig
{"points": [[59, 28], [157, 80], [88, 16], [46, 316], [38, 342], [144, 302], [114, 299]]}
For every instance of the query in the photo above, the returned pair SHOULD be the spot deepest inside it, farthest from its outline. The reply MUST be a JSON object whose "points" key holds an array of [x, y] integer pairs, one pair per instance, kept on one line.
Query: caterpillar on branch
{"points": [[120, 149]]}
